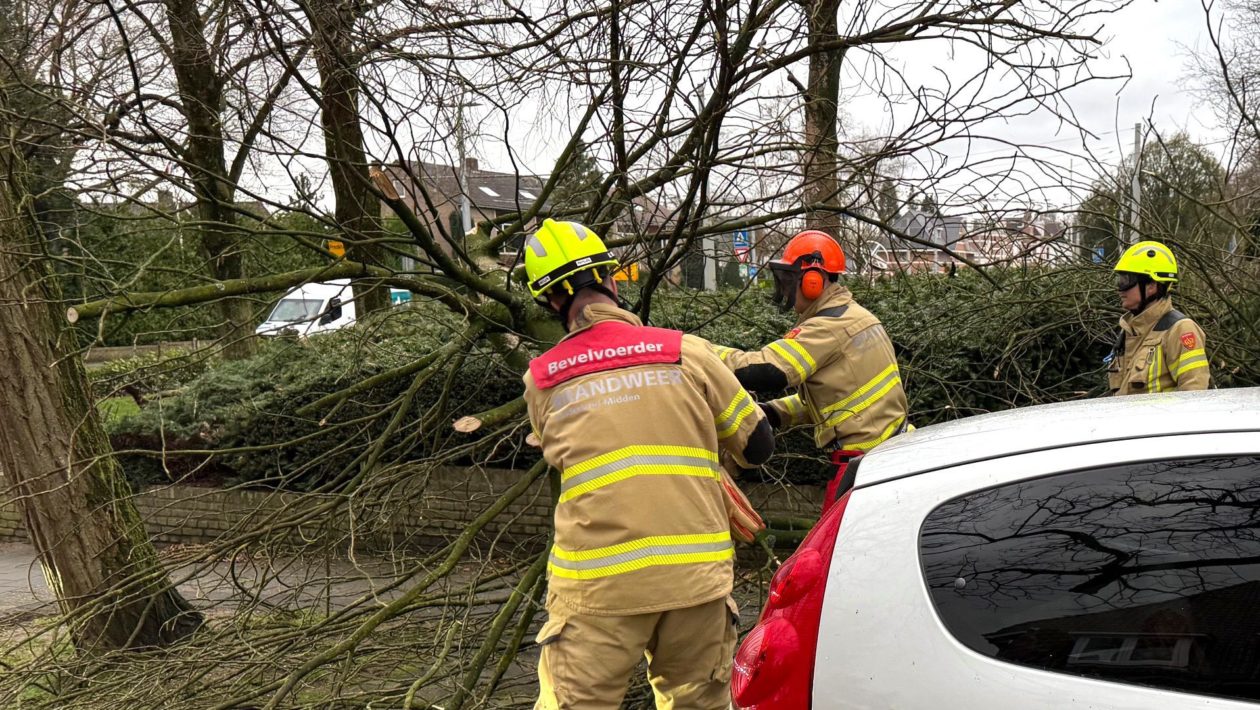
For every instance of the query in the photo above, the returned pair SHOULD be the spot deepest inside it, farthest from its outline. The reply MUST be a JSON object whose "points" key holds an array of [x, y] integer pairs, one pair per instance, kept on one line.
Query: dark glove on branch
{"points": [[772, 414]]}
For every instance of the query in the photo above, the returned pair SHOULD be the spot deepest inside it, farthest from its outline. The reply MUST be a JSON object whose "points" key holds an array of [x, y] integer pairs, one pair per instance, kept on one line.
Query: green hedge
{"points": [[116, 250], [966, 345]]}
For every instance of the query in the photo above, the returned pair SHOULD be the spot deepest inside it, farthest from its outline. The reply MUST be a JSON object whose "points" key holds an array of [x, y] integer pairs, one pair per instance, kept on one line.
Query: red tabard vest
{"points": [[607, 345]]}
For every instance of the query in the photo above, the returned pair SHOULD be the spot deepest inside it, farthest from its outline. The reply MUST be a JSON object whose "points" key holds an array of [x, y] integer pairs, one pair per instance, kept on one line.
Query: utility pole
{"points": [[1135, 200], [465, 206]]}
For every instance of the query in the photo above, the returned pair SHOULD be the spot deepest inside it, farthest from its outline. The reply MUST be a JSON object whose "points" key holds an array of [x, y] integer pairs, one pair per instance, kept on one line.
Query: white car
{"points": [[1094, 554]]}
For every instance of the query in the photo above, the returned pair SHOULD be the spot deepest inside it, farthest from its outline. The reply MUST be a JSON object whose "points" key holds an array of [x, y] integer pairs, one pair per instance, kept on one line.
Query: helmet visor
{"points": [[786, 277], [1126, 280]]}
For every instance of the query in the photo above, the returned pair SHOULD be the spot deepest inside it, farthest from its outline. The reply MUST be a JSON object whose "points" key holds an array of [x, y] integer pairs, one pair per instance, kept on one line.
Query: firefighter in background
{"points": [[838, 359], [1158, 348], [635, 419]]}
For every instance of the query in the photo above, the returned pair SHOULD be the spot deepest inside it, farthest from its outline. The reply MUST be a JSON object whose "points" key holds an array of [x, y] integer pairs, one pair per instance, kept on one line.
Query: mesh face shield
{"points": [[786, 277]]}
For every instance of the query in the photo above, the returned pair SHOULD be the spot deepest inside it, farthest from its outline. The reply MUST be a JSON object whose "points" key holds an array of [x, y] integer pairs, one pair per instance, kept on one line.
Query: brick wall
{"points": [[421, 509]]}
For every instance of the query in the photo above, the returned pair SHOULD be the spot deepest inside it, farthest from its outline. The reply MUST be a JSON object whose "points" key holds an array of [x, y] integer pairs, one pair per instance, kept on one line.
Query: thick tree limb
{"points": [[501, 413], [125, 302]]}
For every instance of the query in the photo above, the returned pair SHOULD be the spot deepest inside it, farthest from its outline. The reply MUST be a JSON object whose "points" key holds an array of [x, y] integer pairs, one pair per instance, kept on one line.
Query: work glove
{"points": [[772, 414]]}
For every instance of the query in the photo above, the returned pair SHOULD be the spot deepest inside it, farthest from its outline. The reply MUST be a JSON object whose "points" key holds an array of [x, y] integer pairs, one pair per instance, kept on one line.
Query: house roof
{"points": [[487, 189], [935, 229]]}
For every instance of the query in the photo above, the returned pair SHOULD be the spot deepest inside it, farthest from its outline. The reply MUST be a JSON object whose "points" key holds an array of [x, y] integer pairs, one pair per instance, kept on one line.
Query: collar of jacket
{"points": [[1142, 323], [833, 296], [597, 312]]}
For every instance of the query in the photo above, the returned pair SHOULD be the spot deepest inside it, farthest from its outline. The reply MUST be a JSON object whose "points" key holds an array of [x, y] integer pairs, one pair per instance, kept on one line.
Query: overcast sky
{"points": [[1152, 40]]}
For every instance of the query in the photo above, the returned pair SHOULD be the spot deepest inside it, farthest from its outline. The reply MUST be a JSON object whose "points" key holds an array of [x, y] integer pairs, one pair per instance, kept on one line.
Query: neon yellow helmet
{"points": [[1151, 259], [560, 250]]}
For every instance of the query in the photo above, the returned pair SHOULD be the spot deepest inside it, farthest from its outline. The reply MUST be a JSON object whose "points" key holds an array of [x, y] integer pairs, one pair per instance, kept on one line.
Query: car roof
{"points": [[1048, 426]]}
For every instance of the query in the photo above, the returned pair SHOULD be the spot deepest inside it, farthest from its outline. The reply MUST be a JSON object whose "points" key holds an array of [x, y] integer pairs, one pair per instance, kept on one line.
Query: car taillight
{"points": [[774, 667]]}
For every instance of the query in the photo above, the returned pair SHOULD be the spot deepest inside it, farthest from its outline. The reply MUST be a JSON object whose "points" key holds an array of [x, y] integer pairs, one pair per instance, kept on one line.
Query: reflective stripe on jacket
{"points": [[641, 523], [842, 364], [1158, 350]]}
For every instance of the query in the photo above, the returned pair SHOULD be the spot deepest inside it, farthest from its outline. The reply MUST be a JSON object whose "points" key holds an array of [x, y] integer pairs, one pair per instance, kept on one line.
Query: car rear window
{"points": [[1144, 573]]}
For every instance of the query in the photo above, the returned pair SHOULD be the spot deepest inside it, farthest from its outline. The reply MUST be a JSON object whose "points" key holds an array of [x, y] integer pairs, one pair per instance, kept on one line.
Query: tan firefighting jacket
{"points": [[1158, 350], [842, 364], [641, 524]]}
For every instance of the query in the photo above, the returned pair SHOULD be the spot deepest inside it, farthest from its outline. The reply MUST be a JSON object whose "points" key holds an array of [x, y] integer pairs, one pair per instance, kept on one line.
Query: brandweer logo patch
{"points": [[601, 354]]}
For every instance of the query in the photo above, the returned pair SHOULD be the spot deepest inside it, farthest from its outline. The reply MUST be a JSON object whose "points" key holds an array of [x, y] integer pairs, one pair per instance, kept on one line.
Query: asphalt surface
{"points": [[292, 582]]}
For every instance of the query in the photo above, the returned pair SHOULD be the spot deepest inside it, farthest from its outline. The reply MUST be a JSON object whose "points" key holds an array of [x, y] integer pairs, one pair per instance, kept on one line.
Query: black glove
{"points": [[772, 414]]}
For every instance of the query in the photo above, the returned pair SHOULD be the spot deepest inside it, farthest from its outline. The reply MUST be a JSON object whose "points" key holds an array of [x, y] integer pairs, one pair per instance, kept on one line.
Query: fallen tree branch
{"points": [[456, 549], [498, 415], [389, 375], [497, 627], [206, 293]]}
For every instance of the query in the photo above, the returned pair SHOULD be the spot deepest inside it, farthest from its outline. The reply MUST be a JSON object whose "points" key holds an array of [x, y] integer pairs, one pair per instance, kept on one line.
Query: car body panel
{"points": [[1053, 426], [881, 642]]}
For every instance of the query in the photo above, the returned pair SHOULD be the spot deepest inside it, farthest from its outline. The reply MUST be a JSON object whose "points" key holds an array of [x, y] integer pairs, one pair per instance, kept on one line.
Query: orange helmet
{"points": [[805, 259], [813, 248]]}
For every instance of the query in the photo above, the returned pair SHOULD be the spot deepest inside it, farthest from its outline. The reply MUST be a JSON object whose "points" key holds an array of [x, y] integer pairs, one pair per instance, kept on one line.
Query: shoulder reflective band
{"points": [[865, 396], [655, 551], [736, 412], [796, 355], [1189, 360], [630, 461]]}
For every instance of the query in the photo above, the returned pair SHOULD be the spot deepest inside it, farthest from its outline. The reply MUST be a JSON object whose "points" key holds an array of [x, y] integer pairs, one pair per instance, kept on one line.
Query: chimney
{"points": [[470, 164]]}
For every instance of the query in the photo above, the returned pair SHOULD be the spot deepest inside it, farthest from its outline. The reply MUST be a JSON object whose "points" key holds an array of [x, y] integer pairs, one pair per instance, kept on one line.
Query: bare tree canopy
{"points": [[188, 162]]}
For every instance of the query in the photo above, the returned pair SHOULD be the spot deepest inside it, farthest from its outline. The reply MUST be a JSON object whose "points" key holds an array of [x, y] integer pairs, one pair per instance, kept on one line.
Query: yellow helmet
{"points": [[558, 251], [1151, 259]]}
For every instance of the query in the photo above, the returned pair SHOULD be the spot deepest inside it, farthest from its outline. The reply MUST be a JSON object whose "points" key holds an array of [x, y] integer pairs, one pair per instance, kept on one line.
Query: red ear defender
{"points": [[813, 282]]}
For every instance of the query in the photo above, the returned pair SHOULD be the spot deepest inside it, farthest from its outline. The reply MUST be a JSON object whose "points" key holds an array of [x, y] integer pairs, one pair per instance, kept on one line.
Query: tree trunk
{"points": [[56, 460], [822, 96], [201, 100], [358, 210]]}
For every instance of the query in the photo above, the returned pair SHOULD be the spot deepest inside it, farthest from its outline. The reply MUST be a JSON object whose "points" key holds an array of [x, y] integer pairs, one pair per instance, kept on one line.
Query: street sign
{"points": [[743, 247]]}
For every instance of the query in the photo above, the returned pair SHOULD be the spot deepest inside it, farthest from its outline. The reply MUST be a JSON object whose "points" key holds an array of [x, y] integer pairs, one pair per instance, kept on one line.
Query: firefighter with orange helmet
{"points": [[635, 419], [838, 359], [1158, 348]]}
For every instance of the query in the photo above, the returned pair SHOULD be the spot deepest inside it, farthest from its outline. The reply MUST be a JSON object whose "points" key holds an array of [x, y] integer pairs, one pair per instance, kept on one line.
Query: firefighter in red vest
{"points": [[837, 358], [635, 419]]}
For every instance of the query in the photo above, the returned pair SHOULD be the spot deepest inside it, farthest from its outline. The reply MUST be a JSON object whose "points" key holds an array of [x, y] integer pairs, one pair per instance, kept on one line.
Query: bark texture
{"points": [[822, 144], [56, 463], [357, 209], [201, 102]]}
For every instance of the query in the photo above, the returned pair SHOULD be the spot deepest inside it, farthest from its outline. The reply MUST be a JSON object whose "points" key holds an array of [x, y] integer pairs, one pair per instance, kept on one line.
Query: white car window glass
{"points": [[291, 310], [1145, 573]]}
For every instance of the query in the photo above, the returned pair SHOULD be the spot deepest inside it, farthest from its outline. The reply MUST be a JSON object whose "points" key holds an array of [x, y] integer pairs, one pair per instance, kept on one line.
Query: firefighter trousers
{"points": [[587, 661]]}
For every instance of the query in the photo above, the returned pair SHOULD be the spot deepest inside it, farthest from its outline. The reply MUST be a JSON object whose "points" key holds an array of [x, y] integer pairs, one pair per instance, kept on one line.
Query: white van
{"points": [[311, 308], [318, 308]]}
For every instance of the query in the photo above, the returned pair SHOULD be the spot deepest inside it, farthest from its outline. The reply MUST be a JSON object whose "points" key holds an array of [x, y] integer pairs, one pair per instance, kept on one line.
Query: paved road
{"points": [[293, 582], [22, 585]]}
